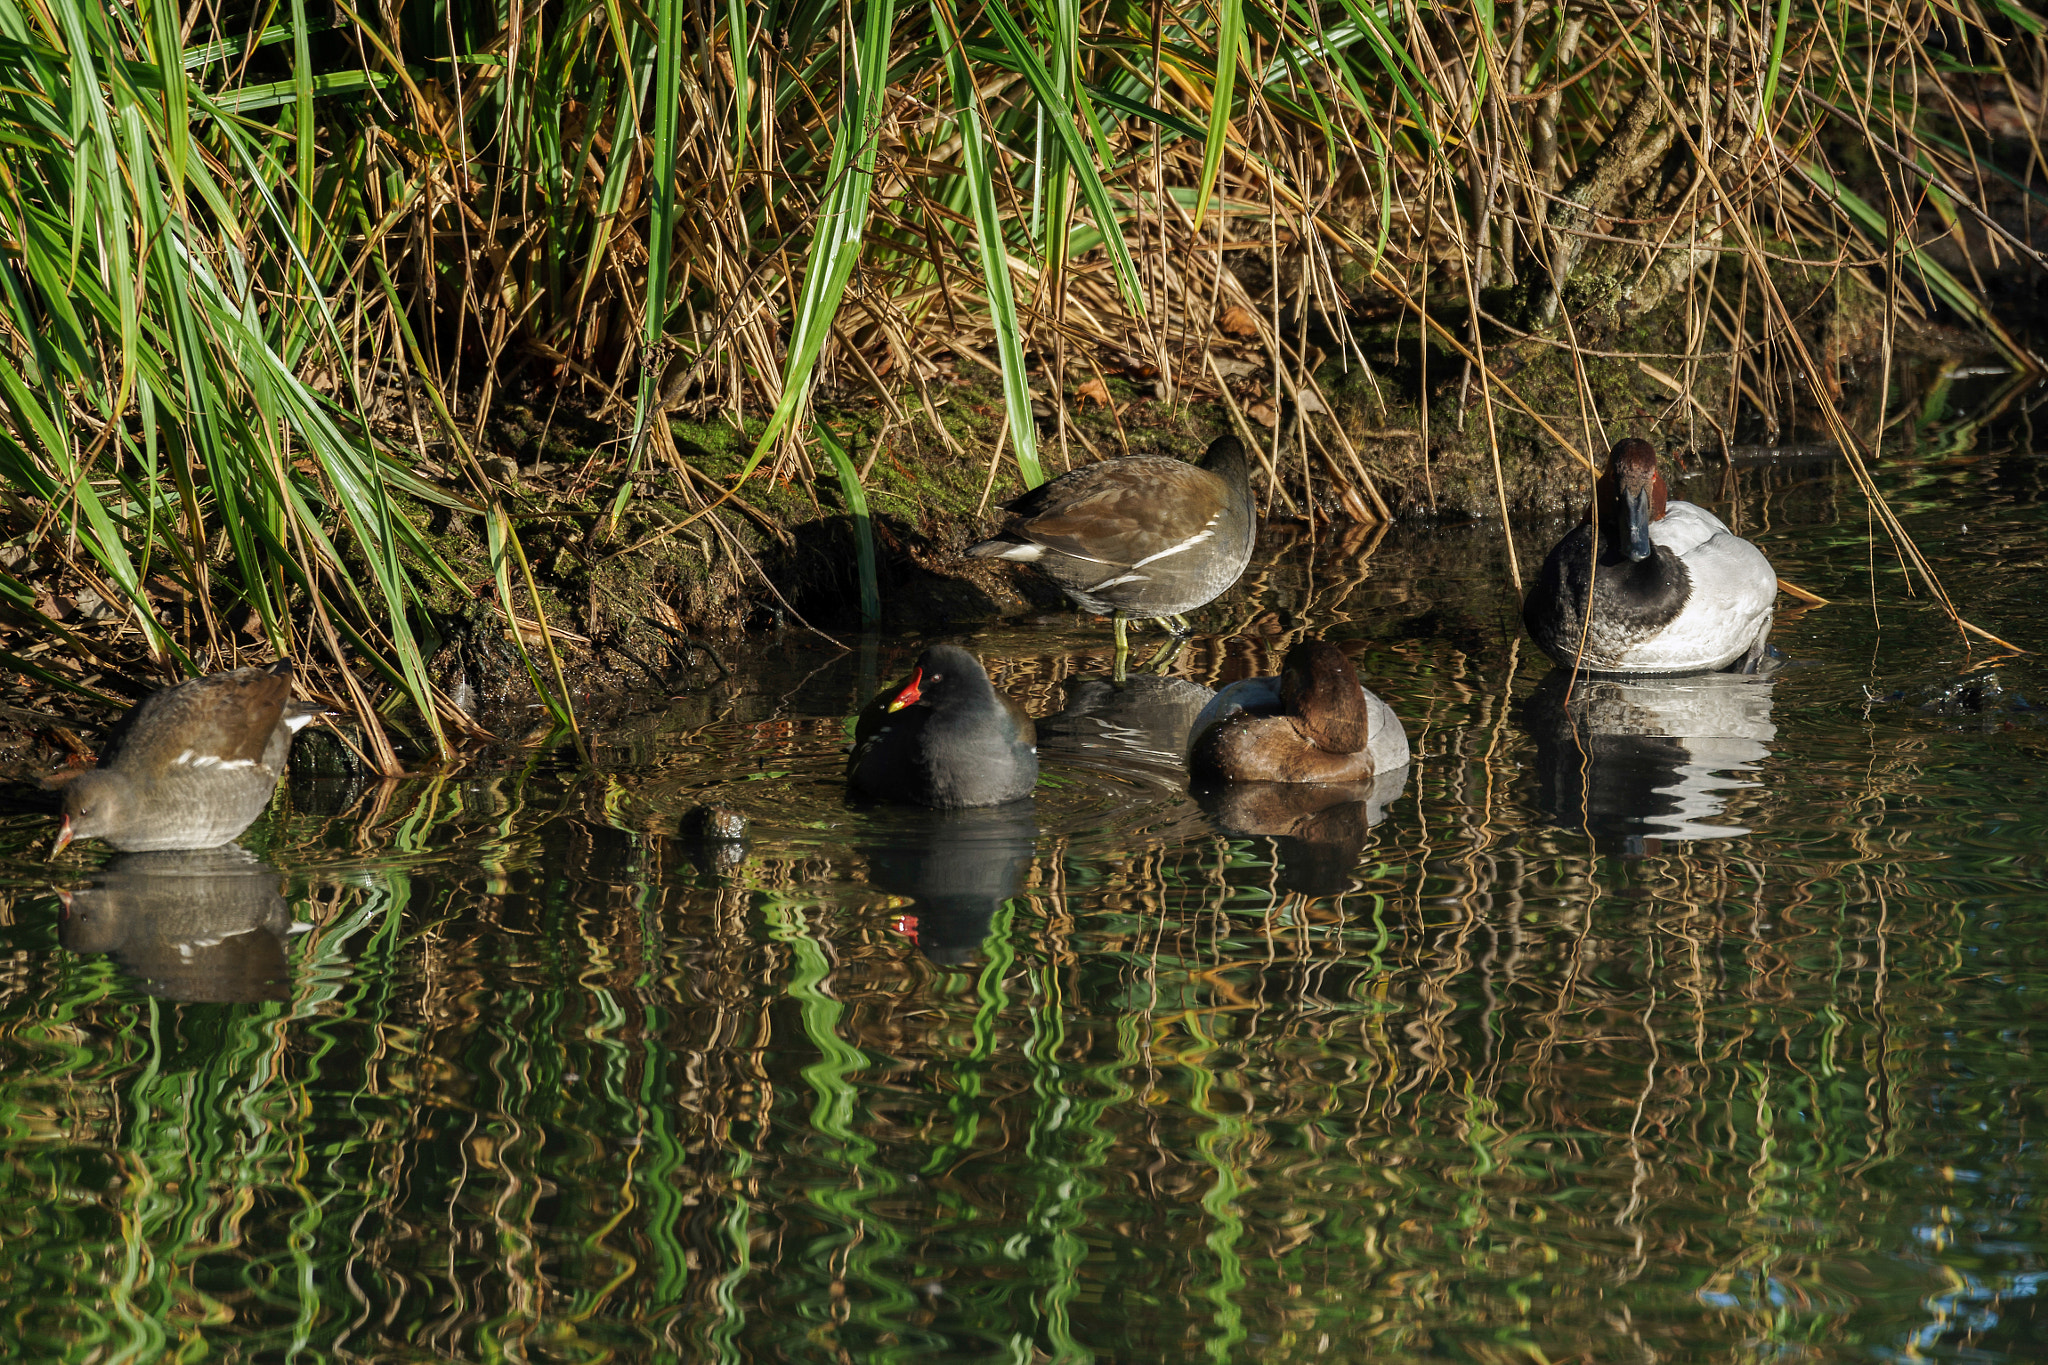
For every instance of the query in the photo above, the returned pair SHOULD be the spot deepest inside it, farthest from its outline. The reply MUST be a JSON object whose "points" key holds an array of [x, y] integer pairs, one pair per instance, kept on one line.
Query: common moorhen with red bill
{"points": [[1672, 589], [191, 766], [1313, 723], [944, 737], [1137, 538]]}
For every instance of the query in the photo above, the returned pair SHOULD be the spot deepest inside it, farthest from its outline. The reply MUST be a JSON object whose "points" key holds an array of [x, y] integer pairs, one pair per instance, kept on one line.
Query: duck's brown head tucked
{"points": [[1320, 689]]}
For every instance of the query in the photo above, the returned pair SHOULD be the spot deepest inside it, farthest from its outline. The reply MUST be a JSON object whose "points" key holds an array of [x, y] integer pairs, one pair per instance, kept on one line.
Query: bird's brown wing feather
{"points": [[227, 715], [1119, 523]]}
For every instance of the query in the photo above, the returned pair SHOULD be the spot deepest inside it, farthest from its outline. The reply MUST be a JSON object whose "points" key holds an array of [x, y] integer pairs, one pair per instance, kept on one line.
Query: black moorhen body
{"points": [[192, 767], [1314, 723], [944, 737], [1137, 538]]}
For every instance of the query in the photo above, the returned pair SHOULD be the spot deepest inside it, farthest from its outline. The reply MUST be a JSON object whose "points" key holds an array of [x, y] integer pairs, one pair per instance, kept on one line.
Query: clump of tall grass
{"points": [[231, 237]]}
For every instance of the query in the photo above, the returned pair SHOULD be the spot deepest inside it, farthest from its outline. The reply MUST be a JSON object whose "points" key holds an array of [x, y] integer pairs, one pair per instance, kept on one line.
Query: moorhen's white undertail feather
{"points": [[191, 766], [944, 737], [1140, 537], [1675, 590]]}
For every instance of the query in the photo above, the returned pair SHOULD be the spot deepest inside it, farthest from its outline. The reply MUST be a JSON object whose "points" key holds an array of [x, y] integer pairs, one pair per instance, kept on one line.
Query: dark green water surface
{"points": [[1703, 1032]]}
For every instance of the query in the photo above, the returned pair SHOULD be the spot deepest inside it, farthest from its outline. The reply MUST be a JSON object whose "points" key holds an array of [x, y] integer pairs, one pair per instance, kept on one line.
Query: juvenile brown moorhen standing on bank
{"points": [[944, 737], [1137, 538], [1675, 590], [1313, 723], [191, 766]]}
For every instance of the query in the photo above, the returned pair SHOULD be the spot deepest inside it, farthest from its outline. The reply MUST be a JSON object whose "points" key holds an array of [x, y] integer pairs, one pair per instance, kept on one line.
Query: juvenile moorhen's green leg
{"points": [[1123, 648], [1164, 657]]}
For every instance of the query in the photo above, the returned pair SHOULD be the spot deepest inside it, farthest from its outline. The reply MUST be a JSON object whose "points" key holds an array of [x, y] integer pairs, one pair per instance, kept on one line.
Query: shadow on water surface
{"points": [[1423, 1074]]}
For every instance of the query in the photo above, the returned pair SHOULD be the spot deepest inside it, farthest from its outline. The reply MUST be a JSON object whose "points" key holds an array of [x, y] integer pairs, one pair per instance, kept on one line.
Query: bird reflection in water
{"points": [[956, 866], [1146, 717], [1317, 829], [1645, 759], [199, 925]]}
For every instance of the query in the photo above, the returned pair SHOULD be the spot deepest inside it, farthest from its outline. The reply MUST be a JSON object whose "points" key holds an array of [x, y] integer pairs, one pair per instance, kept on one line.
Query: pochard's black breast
{"points": [[1633, 601]]}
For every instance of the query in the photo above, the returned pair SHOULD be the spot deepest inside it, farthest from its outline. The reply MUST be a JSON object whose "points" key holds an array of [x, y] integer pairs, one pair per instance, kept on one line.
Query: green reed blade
{"points": [[863, 529], [841, 220], [1229, 35], [1953, 291], [505, 551], [661, 231], [980, 182]]}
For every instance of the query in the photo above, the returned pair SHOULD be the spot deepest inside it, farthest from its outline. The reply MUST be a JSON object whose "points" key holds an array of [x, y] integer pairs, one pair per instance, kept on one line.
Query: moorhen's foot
{"points": [[1166, 655]]}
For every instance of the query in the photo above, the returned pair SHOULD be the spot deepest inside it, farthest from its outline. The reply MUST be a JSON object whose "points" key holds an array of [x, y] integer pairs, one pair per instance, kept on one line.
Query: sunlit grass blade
{"points": [[1229, 34], [863, 528], [841, 220], [668, 56], [980, 177], [1061, 119], [505, 551]]}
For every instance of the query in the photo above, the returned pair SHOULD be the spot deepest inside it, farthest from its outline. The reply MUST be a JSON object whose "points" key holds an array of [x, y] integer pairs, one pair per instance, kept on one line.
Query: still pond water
{"points": [[1701, 1032]]}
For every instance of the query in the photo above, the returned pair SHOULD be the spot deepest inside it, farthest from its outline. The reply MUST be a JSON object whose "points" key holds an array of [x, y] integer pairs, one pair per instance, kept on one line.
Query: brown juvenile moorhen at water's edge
{"points": [[1140, 537], [1313, 723], [944, 737], [193, 765]]}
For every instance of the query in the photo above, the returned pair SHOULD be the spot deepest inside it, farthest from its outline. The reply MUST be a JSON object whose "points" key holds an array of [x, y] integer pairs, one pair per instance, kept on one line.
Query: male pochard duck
{"points": [[1313, 723], [1676, 591]]}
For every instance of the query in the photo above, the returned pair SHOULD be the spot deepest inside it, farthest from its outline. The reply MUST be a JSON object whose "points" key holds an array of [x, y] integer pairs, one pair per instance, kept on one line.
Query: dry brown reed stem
{"points": [[1838, 428], [1793, 590]]}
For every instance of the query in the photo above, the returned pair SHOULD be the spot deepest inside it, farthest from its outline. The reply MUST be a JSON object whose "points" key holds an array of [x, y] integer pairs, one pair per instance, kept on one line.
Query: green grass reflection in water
{"points": [[543, 1088]]}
